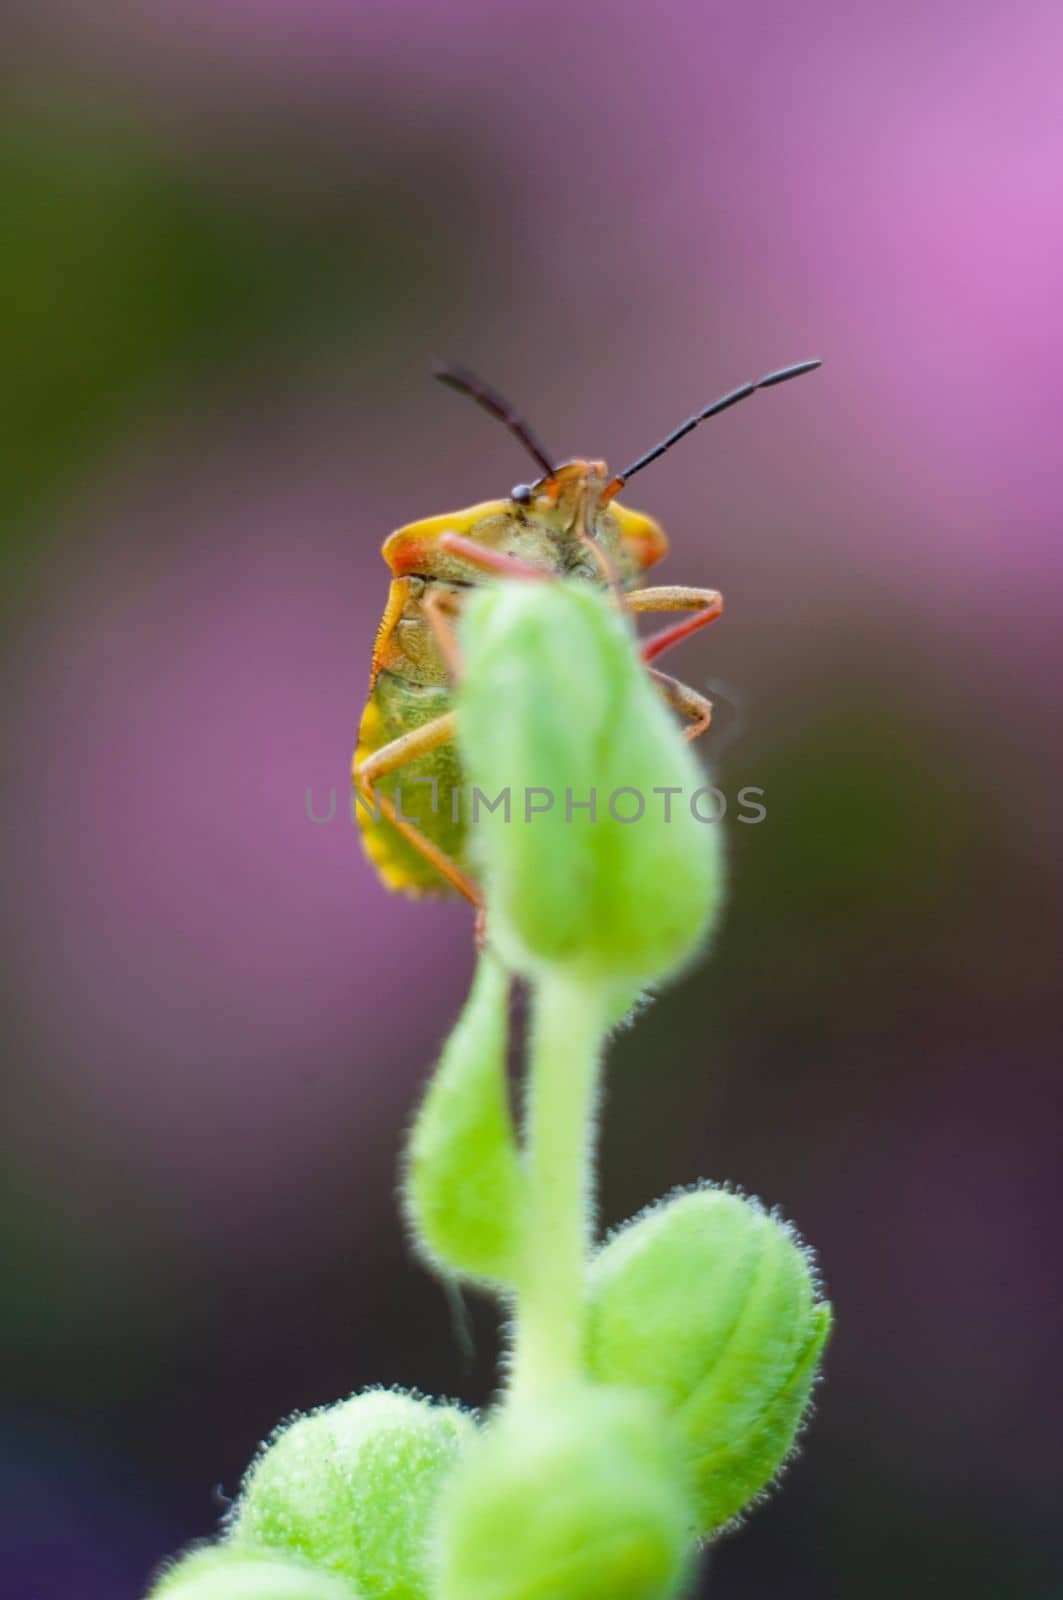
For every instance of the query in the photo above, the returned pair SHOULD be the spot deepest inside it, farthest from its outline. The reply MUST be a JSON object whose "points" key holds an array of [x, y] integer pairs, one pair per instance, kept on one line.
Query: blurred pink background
{"points": [[239, 236]]}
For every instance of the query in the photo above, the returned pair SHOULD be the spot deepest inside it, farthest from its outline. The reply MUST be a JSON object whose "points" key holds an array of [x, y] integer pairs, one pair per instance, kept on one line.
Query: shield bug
{"points": [[566, 523]]}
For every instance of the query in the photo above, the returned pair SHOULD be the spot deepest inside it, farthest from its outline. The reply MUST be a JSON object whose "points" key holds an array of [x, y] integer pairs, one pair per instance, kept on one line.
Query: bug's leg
{"points": [[687, 701], [706, 604], [496, 561], [389, 758], [438, 612]]}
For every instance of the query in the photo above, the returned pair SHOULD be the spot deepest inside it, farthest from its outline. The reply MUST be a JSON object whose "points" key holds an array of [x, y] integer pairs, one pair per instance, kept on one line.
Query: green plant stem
{"points": [[567, 1034]]}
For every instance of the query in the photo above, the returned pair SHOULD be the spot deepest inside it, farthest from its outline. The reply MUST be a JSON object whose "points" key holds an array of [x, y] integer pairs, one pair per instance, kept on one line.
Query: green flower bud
{"points": [[577, 1496], [352, 1487], [227, 1572], [556, 707], [710, 1304], [465, 1190]]}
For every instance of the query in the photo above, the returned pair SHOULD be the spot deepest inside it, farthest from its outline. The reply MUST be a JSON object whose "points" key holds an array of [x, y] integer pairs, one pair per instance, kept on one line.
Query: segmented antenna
{"points": [[466, 382], [728, 400]]}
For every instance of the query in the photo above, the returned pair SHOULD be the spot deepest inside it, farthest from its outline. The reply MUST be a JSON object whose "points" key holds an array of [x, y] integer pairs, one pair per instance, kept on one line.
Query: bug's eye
{"points": [[522, 493]]}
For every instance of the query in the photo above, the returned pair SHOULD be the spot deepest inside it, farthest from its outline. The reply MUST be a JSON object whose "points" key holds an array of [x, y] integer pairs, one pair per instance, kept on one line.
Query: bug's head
{"points": [[576, 503], [570, 495]]}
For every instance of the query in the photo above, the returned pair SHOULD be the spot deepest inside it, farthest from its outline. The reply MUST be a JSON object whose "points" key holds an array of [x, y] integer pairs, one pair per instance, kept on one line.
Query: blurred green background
{"points": [[235, 239]]}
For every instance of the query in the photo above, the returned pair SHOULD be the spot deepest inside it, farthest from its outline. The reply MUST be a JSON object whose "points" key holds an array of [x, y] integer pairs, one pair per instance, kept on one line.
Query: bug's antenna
{"points": [[466, 382], [728, 400]]}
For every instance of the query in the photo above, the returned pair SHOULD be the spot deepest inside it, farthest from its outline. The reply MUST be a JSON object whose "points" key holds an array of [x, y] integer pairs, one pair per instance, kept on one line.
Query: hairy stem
{"points": [[559, 1138]]}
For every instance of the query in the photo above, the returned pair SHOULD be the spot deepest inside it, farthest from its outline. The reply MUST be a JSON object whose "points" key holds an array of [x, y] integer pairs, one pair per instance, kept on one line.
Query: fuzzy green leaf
{"points": [[709, 1303], [464, 1190], [228, 1572], [352, 1487], [578, 1496]]}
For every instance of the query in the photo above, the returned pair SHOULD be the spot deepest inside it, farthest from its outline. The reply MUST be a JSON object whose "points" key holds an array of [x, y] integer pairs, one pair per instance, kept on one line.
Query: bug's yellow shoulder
{"points": [[642, 538], [414, 548]]}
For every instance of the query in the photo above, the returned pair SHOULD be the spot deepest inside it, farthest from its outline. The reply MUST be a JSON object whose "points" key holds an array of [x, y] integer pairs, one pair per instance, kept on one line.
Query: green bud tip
{"points": [[592, 868]]}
